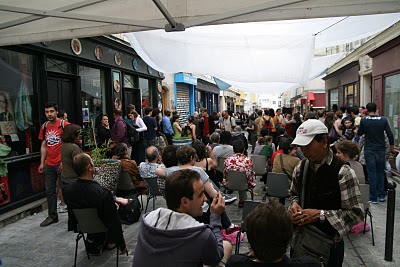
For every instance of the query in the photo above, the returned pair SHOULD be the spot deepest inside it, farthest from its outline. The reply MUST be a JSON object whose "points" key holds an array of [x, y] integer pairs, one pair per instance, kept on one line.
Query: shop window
{"points": [[215, 103], [198, 101], [392, 104], [59, 66], [145, 92], [333, 97], [129, 81], [92, 94], [18, 106], [350, 94]]}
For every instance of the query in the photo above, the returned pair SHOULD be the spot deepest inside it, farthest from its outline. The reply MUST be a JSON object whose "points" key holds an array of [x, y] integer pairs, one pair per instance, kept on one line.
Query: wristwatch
{"points": [[322, 216]]}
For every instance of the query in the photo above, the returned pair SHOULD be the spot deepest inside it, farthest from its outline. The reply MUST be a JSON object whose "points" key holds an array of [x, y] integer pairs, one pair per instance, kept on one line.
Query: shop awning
{"points": [[310, 96], [43, 20]]}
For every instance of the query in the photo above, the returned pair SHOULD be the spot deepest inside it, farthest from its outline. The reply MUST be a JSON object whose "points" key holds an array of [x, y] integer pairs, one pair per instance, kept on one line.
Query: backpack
{"points": [[267, 123], [130, 213], [45, 125], [131, 133]]}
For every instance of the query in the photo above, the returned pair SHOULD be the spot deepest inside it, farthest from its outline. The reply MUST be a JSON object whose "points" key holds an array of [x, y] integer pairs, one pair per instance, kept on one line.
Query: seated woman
{"points": [[175, 126], [208, 164], [190, 129], [129, 166], [286, 162], [348, 151]]}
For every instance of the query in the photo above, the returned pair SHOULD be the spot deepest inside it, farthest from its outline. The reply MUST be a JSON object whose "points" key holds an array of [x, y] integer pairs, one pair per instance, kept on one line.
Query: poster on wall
{"points": [[85, 114], [4, 191], [117, 81], [7, 123]]}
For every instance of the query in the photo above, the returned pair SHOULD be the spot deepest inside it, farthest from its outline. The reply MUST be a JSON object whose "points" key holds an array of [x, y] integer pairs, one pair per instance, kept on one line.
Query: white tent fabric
{"points": [[318, 68], [253, 53]]}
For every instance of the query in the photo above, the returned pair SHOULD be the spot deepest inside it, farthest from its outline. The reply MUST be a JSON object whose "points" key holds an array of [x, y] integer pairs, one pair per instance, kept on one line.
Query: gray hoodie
{"points": [[168, 238]]}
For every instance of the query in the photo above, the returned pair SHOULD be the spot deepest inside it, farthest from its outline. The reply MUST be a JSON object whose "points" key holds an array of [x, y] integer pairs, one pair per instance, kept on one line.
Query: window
{"points": [[129, 81], [59, 66], [144, 89], [92, 94], [333, 97], [18, 105], [392, 104], [350, 94]]}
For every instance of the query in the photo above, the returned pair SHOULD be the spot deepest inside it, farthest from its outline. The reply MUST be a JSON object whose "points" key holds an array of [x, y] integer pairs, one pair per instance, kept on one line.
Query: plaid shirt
{"points": [[352, 209], [241, 163]]}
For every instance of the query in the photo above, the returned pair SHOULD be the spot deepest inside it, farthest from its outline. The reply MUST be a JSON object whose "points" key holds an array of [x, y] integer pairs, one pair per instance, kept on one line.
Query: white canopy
{"points": [[24, 21], [255, 56]]}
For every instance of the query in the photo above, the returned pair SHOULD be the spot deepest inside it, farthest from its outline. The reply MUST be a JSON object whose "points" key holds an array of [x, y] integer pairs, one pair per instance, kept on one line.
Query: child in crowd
{"points": [[348, 133]]}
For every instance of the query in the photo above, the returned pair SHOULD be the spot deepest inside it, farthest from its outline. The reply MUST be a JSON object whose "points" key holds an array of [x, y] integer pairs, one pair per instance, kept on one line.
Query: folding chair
{"points": [[259, 163], [237, 181], [247, 208], [220, 167], [88, 223], [277, 185], [364, 189], [125, 184], [154, 191]]}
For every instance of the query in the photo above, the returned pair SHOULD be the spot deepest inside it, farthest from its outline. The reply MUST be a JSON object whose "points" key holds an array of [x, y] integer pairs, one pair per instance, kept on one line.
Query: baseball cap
{"points": [[308, 130]]}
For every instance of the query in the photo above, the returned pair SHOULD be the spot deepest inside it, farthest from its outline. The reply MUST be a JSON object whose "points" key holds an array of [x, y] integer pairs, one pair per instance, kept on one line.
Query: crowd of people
{"points": [[325, 155]]}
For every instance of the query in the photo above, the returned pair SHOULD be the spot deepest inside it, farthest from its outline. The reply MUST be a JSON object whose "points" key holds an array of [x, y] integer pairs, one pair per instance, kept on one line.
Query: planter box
{"points": [[107, 173], [184, 142]]}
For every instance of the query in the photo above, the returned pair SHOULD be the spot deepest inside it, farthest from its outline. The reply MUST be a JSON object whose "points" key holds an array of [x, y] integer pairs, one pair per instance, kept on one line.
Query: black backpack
{"points": [[130, 213], [132, 134]]}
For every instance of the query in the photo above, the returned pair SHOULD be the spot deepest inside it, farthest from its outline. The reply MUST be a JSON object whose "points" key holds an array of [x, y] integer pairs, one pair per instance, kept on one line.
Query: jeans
{"points": [[253, 139], [51, 177], [375, 161]]}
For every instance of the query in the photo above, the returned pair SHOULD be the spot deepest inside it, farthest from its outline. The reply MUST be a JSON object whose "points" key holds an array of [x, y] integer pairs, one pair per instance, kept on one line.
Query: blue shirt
{"points": [[166, 126], [374, 127]]}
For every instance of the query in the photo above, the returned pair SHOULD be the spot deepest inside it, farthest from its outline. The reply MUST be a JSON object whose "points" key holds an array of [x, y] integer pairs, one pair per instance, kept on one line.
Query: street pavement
{"points": [[24, 243]]}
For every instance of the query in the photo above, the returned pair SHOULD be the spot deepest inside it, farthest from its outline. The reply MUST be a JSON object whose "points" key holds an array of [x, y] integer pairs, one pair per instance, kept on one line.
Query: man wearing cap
{"points": [[331, 199]]}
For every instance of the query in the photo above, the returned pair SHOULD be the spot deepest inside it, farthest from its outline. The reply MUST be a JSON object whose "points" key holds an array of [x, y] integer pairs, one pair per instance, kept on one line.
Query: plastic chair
{"points": [[364, 189], [125, 184], [237, 181], [259, 163], [154, 191], [247, 208], [277, 185], [88, 223], [220, 167]]}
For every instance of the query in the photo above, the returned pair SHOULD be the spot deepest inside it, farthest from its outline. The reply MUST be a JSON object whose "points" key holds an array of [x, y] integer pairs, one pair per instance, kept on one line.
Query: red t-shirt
{"points": [[206, 128], [53, 140]]}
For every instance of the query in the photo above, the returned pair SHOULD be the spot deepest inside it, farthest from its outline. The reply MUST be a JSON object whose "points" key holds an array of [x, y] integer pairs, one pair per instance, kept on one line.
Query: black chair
{"points": [[259, 163], [247, 208], [364, 189], [125, 184], [154, 191], [277, 185], [237, 181], [88, 223]]}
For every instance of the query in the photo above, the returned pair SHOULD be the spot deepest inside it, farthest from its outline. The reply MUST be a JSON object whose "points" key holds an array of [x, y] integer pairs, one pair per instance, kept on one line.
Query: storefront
{"points": [[342, 86], [207, 96], [86, 77], [386, 83], [184, 95]]}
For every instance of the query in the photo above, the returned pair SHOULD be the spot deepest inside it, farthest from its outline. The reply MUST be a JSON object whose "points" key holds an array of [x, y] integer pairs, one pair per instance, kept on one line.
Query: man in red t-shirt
{"points": [[50, 158], [207, 126]]}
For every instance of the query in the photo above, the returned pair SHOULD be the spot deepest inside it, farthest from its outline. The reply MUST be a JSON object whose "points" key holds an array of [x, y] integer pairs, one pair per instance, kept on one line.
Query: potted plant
{"points": [[182, 141], [107, 170]]}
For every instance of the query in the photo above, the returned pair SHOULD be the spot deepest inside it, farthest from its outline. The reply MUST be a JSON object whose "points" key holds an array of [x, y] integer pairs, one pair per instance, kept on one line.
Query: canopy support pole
{"points": [[173, 26]]}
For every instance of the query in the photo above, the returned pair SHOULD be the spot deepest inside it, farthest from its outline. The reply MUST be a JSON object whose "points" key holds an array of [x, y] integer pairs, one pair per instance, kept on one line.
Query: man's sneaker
{"points": [[58, 203], [62, 209], [48, 221], [373, 202], [229, 199], [382, 199]]}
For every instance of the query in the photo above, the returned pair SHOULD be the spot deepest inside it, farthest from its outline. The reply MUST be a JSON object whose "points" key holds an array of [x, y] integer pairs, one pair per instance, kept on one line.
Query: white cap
{"points": [[308, 130]]}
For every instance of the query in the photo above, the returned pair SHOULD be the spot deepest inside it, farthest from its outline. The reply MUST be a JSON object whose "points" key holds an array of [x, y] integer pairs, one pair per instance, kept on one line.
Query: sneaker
{"points": [[382, 199], [48, 221], [62, 209], [373, 202], [229, 199], [58, 203]]}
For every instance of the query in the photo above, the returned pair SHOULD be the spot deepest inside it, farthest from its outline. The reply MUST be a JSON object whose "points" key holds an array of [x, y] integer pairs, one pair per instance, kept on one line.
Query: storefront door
{"points": [[62, 90], [132, 96]]}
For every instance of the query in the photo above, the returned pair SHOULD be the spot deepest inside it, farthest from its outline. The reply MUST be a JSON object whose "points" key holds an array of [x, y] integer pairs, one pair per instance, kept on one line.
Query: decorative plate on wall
{"points": [[117, 58], [98, 52], [76, 46], [135, 64], [149, 70]]}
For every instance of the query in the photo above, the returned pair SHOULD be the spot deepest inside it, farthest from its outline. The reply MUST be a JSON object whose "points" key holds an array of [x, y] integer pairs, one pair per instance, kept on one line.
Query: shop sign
{"points": [[184, 78]]}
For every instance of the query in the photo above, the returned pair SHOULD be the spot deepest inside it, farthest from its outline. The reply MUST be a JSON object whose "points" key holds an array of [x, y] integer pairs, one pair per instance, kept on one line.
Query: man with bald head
{"points": [[148, 168]]}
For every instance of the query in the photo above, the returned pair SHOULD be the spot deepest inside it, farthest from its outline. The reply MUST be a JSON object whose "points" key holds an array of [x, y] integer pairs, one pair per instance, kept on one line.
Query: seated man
{"points": [[241, 163], [269, 231], [86, 193], [172, 237], [148, 168]]}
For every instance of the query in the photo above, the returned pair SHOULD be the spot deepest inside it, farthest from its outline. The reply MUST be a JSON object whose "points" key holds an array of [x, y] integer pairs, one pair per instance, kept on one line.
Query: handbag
{"points": [[308, 240], [333, 135]]}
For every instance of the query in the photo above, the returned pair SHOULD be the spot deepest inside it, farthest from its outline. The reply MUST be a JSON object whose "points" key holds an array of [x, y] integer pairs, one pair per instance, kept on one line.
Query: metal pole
{"points": [[390, 220]]}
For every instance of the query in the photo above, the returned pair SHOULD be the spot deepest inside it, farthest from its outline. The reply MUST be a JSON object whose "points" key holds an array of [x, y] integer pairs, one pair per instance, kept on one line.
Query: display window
{"points": [[392, 104]]}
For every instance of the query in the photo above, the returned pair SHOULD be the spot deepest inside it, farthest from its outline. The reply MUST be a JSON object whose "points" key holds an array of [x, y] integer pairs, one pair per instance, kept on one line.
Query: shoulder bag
{"points": [[308, 240]]}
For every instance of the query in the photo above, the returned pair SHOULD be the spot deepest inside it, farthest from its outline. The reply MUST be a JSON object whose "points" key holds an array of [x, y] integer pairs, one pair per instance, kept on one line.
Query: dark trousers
{"points": [[51, 177], [253, 139], [138, 152], [336, 255], [169, 138]]}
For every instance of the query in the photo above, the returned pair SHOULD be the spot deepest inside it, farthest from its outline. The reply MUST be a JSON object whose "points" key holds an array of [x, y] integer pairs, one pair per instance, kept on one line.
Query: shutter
{"points": [[182, 102]]}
